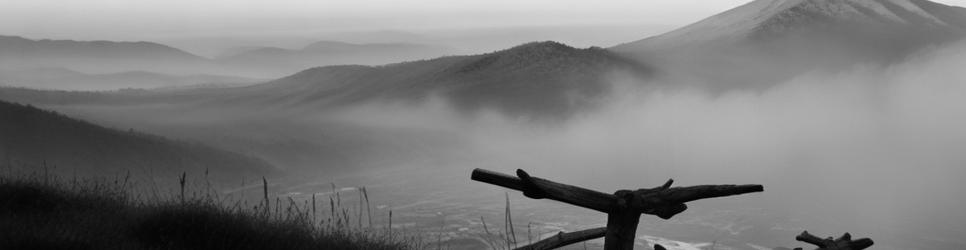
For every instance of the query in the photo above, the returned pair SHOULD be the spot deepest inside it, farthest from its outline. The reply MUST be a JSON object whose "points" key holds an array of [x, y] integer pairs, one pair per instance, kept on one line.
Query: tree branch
{"points": [[538, 188], [842, 243], [665, 201], [563, 239]]}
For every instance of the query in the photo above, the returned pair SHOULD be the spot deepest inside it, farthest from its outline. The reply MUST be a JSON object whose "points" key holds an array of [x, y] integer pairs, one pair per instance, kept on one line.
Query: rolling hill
{"points": [[323, 53], [540, 79], [66, 79], [97, 56], [765, 41], [33, 137], [537, 80], [150, 60], [274, 120]]}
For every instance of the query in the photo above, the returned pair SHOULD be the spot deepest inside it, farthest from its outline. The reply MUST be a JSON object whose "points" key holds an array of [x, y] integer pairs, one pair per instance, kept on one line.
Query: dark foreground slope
{"points": [[34, 137], [38, 214]]}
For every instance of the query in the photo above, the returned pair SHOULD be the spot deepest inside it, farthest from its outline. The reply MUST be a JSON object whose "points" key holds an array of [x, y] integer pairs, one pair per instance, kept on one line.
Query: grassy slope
{"points": [[39, 214], [33, 136]]}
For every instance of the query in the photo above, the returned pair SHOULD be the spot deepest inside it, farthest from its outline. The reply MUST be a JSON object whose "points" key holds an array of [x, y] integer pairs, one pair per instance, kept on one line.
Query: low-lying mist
{"points": [[874, 150], [878, 151]]}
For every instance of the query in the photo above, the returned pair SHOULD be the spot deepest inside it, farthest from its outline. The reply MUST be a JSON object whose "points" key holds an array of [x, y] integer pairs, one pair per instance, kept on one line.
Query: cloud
{"points": [[871, 147]]}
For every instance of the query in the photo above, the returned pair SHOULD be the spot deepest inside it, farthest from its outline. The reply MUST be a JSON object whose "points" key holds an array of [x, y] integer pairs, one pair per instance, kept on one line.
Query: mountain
{"points": [[534, 79], [66, 79], [96, 56], [538, 80], [32, 137], [770, 40], [280, 60], [111, 57], [300, 122]]}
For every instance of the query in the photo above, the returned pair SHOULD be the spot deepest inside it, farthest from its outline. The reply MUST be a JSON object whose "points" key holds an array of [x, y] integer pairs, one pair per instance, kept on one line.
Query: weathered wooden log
{"points": [[538, 188], [842, 243], [564, 239]]}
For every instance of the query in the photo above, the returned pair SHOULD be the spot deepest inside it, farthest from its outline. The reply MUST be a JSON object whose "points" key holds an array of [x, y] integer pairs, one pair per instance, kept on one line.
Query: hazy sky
{"points": [[133, 19], [203, 25]]}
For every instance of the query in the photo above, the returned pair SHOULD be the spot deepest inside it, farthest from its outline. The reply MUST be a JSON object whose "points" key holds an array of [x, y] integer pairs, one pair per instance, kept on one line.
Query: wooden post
{"points": [[622, 224], [623, 208]]}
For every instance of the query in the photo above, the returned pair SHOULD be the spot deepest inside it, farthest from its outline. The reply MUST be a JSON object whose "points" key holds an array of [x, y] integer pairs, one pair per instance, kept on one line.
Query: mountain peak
{"points": [[546, 55], [916, 13], [767, 41], [545, 46], [769, 17]]}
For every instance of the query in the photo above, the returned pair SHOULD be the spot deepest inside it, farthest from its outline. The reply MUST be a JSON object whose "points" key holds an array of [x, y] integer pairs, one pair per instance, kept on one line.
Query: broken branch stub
{"points": [[842, 243], [665, 201]]}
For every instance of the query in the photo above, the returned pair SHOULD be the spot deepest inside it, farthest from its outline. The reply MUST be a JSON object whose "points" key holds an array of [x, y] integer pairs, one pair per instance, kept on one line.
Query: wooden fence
{"points": [[624, 208]]}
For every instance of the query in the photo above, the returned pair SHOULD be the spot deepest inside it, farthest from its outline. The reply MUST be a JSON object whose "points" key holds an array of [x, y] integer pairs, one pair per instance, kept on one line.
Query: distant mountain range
{"points": [[329, 53], [65, 79], [752, 46], [765, 41], [17, 53], [33, 137], [109, 57], [534, 79], [757, 44]]}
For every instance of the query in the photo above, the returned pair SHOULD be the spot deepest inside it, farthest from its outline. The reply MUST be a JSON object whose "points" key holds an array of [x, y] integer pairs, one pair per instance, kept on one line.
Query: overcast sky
{"points": [[168, 19], [132, 18]]}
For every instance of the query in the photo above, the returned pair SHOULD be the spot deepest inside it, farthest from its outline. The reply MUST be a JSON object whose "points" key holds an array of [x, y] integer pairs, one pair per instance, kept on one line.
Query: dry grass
{"points": [[39, 211]]}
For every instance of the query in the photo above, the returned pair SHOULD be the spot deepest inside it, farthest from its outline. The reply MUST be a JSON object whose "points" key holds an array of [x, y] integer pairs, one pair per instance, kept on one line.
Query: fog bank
{"points": [[872, 149]]}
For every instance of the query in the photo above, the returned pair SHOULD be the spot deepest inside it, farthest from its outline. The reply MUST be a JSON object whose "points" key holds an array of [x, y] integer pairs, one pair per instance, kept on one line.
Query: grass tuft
{"points": [[39, 212]]}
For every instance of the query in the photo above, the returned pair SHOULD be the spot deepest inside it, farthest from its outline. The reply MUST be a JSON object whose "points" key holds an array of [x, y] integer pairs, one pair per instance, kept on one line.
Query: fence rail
{"points": [[623, 208]]}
